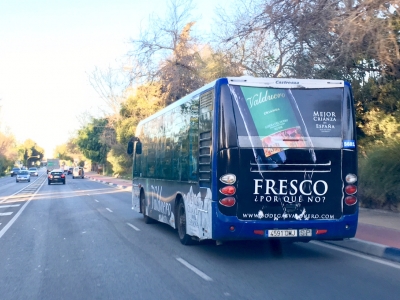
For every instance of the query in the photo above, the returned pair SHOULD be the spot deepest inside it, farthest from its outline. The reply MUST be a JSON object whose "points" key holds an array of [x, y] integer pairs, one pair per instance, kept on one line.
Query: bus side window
{"points": [[194, 140], [184, 158]]}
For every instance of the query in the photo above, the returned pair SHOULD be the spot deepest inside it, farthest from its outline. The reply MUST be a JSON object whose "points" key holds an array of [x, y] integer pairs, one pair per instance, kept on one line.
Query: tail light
{"points": [[228, 190], [62, 176], [228, 201], [50, 176], [228, 179], [351, 178], [350, 189], [350, 200]]}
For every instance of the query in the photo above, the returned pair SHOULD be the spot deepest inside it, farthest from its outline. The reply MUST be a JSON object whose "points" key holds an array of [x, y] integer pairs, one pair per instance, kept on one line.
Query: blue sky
{"points": [[47, 51]]}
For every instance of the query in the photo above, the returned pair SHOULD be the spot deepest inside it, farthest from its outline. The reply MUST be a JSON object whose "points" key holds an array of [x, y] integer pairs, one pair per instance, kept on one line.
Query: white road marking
{"points": [[361, 255], [5, 199], [5, 214], [12, 205], [96, 200], [9, 224], [109, 209], [134, 227], [194, 269]]}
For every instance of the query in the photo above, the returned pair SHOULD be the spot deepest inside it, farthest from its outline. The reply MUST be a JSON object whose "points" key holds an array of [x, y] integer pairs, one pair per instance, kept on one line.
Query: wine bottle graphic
{"points": [[273, 122]]}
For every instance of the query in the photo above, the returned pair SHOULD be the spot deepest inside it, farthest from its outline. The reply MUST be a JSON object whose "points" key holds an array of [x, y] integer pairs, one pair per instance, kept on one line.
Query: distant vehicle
{"points": [[23, 176], [70, 170], [34, 171], [53, 164], [14, 171], [78, 172], [56, 176]]}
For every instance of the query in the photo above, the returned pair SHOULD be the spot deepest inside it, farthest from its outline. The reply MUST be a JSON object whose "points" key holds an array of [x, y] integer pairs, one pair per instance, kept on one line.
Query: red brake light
{"points": [[228, 201], [321, 231], [50, 176], [228, 190], [62, 176], [259, 232], [350, 189], [350, 200]]}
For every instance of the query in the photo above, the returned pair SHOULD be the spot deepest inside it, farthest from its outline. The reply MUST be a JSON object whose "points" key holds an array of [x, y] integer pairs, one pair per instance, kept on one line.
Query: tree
{"points": [[325, 38], [30, 152], [89, 141]]}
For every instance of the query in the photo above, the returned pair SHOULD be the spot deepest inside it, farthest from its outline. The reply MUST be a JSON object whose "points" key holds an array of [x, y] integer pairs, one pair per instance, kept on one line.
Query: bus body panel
{"points": [[309, 184]]}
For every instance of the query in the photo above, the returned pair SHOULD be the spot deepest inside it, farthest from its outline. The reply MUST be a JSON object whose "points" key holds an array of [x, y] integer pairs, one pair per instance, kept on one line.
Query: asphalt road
{"points": [[82, 241]]}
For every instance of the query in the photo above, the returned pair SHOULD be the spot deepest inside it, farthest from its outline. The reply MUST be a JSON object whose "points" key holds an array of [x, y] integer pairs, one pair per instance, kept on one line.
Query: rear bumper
{"points": [[342, 228]]}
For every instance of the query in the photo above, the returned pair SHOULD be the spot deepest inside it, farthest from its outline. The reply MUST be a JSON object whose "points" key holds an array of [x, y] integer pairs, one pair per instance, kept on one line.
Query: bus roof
{"points": [[285, 82]]}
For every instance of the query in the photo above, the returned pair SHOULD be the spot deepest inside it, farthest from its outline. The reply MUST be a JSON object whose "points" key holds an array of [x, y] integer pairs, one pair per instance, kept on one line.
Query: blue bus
{"points": [[246, 158]]}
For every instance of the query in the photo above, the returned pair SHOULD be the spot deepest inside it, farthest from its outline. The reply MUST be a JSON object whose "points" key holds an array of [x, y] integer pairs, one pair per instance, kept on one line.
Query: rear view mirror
{"points": [[130, 148], [139, 147]]}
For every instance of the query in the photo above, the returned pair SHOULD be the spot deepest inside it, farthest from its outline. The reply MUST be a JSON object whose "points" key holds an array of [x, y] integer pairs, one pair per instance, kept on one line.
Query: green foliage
{"points": [[30, 152], [379, 177], [378, 115], [89, 141], [120, 161]]}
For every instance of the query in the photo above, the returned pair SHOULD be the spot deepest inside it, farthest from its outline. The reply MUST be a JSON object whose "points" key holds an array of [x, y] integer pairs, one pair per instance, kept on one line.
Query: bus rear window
{"points": [[280, 119]]}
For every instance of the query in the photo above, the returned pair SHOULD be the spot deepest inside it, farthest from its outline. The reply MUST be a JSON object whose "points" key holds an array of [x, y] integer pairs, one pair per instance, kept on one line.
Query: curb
{"points": [[369, 248], [118, 186]]}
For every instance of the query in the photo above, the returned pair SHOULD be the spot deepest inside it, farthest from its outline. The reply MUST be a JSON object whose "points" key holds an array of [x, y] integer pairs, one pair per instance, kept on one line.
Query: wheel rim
{"points": [[182, 221]]}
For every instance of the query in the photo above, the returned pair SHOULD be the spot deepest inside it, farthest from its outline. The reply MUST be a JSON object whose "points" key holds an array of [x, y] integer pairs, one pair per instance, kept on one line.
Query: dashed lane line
{"points": [[96, 200], [5, 214], [9, 224], [194, 269], [109, 209], [12, 205], [133, 226]]}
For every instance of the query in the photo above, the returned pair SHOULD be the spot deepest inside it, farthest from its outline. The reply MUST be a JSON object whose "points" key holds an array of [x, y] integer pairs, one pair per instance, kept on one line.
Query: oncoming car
{"points": [[56, 176], [33, 171], [23, 176], [15, 171]]}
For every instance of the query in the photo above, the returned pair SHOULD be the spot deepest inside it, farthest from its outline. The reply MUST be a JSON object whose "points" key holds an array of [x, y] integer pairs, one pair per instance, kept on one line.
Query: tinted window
{"points": [[24, 172], [279, 119]]}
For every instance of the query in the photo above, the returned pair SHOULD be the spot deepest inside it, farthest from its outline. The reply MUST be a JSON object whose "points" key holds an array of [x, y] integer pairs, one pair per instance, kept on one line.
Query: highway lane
{"points": [[82, 241], [8, 186]]}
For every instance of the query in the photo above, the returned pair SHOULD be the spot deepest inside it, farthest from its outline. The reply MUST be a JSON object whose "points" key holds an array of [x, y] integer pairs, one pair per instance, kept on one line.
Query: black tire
{"points": [[146, 218], [64, 182], [181, 224], [16, 181], [29, 180], [49, 182], [73, 177]]}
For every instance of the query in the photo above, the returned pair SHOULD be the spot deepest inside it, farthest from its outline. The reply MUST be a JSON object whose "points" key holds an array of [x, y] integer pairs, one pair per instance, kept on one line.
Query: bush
{"points": [[379, 177], [120, 161]]}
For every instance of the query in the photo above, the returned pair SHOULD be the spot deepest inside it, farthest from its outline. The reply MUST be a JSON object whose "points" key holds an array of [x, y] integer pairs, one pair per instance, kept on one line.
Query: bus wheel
{"points": [[184, 238], [146, 218]]}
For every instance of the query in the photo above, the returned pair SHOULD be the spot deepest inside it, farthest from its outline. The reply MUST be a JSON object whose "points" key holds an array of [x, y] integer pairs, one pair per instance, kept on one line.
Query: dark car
{"points": [[15, 171], [56, 176], [70, 171]]}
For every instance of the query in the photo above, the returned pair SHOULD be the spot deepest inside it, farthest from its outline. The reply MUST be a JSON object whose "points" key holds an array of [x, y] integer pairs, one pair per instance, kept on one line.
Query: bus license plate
{"points": [[305, 232], [282, 233]]}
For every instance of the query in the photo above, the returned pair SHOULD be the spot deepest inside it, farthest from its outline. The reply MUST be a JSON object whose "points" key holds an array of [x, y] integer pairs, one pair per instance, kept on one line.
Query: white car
{"points": [[23, 176], [33, 171]]}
